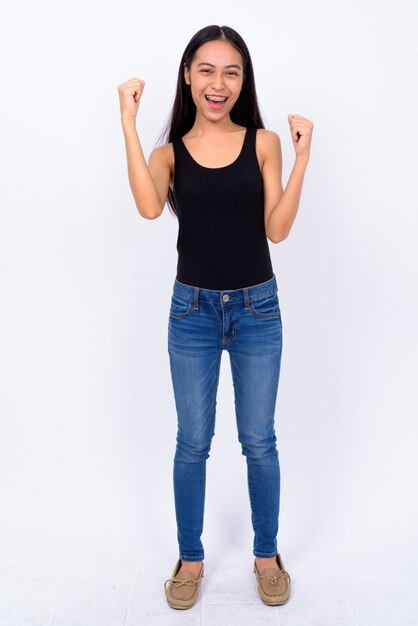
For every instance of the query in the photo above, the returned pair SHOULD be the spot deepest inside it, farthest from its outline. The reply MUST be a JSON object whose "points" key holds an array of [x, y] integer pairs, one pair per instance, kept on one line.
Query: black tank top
{"points": [[221, 241]]}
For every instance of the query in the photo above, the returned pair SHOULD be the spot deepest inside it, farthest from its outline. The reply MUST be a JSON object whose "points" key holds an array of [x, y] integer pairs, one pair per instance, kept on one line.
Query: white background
{"points": [[88, 419]]}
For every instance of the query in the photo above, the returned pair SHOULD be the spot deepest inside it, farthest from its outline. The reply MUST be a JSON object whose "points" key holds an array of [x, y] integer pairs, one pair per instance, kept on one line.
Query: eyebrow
{"points": [[212, 65]]}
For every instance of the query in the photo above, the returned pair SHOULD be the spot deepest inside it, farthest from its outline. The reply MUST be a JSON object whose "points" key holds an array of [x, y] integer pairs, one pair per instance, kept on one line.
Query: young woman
{"points": [[220, 172]]}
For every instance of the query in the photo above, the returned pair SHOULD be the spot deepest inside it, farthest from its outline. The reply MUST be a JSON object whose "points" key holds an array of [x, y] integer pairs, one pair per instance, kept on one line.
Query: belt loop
{"points": [[246, 298], [196, 298]]}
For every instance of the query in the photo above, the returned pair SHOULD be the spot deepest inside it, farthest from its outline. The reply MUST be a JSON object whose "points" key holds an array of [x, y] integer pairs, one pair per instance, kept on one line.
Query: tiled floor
{"points": [[105, 592]]}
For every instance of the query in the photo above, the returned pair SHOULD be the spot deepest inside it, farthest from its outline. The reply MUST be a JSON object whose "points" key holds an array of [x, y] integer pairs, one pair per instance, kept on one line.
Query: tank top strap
{"points": [[181, 158], [248, 147], [177, 145]]}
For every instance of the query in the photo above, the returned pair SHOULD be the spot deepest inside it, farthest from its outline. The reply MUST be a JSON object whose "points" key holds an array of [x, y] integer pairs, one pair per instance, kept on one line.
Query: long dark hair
{"points": [[245, 112]]}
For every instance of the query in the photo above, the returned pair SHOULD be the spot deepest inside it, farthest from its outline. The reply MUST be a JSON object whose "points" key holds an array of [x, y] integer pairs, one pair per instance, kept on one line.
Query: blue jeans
{"points": [[247, 323]]}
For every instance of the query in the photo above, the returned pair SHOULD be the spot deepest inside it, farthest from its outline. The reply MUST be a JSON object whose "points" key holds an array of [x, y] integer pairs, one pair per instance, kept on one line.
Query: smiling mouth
{"points": [[216, 98]]}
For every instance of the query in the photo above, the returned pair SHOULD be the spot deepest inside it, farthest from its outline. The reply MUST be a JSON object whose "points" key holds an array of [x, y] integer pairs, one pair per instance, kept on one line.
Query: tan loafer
{"points": [[183, 589], [273, 583]]}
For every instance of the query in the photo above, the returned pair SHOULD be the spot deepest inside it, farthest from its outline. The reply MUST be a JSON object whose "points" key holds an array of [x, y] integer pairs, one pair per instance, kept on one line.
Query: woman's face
{"points": [[216, 70]]}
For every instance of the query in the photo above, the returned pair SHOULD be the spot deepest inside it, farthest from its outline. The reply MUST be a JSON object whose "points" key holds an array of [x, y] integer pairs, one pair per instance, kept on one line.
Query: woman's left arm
{"points": [[281, 207]]}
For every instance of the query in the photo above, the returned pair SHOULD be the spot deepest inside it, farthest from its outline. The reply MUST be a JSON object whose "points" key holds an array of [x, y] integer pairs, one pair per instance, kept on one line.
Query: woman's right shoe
{"points": [[183, 588]]}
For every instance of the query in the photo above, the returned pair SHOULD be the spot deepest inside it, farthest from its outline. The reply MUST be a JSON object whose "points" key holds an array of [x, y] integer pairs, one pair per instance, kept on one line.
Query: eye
{"points": [[233, 73], [205, 70]]}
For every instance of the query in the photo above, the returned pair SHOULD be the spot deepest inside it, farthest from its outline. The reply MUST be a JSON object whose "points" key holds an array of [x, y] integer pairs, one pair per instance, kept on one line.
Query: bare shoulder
{"points": [[163, 154], [268, 140], [162, 158], [268, 147]]}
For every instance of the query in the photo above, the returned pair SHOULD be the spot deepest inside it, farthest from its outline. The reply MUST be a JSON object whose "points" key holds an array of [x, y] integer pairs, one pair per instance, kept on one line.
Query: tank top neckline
{"points": [[223, 167]]}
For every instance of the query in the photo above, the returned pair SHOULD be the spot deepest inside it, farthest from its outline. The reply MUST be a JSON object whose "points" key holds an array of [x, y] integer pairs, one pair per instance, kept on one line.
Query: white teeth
{"points": [[216, 98]]}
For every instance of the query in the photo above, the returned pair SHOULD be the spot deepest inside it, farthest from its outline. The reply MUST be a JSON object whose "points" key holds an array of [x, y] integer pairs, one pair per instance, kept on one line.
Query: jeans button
{"points": [[225, 297]]}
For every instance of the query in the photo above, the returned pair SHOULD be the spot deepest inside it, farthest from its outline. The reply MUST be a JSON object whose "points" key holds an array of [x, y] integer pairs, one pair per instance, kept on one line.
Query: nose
{"points": [[217, 81]]}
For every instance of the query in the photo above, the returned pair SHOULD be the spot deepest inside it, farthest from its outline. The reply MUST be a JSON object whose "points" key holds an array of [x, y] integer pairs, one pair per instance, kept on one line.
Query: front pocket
{"points": [[266, 307], [180, 307]]}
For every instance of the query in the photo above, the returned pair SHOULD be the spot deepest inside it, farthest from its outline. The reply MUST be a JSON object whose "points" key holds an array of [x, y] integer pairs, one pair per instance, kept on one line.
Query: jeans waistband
{"points": [[226, 296]]}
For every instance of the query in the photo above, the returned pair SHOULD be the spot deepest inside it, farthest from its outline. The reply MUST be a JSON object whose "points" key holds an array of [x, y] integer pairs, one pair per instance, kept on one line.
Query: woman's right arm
{"points": [[149, 185]]}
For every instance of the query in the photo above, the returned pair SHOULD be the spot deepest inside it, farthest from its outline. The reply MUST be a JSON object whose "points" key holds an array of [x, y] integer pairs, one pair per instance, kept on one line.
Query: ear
{"points": [[186, 75]]}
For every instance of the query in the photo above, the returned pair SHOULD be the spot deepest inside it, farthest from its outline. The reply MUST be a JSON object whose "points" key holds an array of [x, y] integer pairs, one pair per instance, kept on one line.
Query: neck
{"points": [[205, 127]]}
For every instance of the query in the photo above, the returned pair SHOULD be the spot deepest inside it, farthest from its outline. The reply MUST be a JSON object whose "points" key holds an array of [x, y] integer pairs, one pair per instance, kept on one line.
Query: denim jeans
{"points": [[247, 323]]}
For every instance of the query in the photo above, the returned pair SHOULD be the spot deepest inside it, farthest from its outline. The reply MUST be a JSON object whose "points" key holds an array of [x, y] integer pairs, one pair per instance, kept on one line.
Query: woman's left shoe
{"points": [[273, 583]]}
